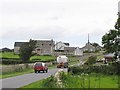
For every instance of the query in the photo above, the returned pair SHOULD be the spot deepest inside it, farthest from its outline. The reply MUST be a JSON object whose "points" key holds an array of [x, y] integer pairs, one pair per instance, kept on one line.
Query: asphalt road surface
{"points": [[22, 80]]}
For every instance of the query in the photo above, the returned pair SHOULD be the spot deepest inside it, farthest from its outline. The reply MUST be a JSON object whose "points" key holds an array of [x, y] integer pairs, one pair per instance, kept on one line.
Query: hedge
{"points": [[11, 62], [110, 69]]}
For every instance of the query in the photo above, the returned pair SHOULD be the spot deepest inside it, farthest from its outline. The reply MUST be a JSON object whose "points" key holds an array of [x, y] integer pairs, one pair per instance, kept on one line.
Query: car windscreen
{"points": [[38, 64]]}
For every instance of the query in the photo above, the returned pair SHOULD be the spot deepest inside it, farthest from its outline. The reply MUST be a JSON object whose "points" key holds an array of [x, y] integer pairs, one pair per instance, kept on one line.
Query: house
{"points": [[89, 47], [6, 50], [69, 50], [17, 46], [73, 51], [108, 57], [43, 47], [59, 46]]}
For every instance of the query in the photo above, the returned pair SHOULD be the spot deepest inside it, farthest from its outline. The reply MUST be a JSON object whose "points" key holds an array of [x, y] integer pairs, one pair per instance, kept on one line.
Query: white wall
{"points": [[78, 51], [60, 46]]}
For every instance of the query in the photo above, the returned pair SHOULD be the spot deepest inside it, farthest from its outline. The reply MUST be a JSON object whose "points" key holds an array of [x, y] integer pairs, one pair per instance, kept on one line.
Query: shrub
{"points": [[7, 62], [91, 60], [49, 82]]}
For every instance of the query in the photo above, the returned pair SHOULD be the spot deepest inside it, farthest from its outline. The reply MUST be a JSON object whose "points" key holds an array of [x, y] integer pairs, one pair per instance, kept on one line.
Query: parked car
{"points": [[38, 66]]}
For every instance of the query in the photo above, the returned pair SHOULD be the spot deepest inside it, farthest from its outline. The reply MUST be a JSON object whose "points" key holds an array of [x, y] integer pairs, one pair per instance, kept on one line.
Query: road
{"points": [[22, 80]]}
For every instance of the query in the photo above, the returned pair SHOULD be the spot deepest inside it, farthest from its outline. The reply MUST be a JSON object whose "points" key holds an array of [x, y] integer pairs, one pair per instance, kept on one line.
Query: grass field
{"points": [[81, 81], [43, 58], [8, 55], [91, 81], [11, 55]]}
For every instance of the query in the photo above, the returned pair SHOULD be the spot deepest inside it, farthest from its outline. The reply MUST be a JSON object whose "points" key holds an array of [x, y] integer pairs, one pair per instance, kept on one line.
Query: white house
{"points": [[60, 46]]}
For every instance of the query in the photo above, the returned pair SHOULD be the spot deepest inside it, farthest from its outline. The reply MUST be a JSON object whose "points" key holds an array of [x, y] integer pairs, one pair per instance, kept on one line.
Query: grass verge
{"points": [[12, 74], [17, 73], [79, 81]]}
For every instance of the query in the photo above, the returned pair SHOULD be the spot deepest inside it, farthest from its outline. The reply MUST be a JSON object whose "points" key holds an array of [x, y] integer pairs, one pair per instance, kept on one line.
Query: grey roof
{"points": [[70, 48], [19, 44], [6, 49], [109, 55], [45, 42], [88, 45], [67, 44]]}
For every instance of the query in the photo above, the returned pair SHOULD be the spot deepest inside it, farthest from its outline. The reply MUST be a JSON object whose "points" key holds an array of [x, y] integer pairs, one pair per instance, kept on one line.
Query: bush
{"points": [[12, 62], [8, 62], [91, 60], [50, 82]]}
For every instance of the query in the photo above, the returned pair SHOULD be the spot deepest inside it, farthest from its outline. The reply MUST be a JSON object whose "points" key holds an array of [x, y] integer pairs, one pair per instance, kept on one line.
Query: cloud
{"points": [[58, 19], [31, 32]]}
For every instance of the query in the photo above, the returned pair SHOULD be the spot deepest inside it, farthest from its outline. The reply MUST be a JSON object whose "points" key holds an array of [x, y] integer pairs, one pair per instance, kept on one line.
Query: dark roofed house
{"points": [[6, 50], [59, 46], [67, 44], [17, 46]]}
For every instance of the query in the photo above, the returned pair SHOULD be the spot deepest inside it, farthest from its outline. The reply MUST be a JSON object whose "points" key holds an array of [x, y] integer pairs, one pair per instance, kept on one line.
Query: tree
{"points": [[26, 50], [91, 60], [108, 40], [117, 25], [95, 44]]}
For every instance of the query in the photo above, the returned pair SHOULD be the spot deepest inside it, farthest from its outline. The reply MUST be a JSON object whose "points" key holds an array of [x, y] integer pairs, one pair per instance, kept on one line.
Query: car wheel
{"points": [[43, 71], [35, 71], [46, 71], [38, 71]]}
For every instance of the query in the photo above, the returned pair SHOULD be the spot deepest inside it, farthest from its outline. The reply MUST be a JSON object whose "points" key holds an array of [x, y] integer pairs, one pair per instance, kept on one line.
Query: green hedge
{"points": [[110, 69], [9, 58], [11, 62], [91, 60]]}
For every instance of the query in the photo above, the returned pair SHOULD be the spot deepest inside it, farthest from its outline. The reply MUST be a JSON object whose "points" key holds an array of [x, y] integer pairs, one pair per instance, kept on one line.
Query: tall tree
{"points": [[117, 25], [26, 50], [109, 41]]}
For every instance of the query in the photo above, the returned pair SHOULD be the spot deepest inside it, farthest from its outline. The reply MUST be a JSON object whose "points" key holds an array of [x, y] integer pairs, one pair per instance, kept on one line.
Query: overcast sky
{"points": [[61, 20]]}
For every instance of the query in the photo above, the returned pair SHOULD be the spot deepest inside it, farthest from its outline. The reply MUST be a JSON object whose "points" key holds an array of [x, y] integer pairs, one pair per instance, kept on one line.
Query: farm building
{"points": [[43, 47], [73, 51]]}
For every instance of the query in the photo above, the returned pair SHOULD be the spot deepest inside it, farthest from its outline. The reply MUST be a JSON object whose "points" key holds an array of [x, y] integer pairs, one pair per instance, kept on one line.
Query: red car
{"points": [[38, 66]]}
